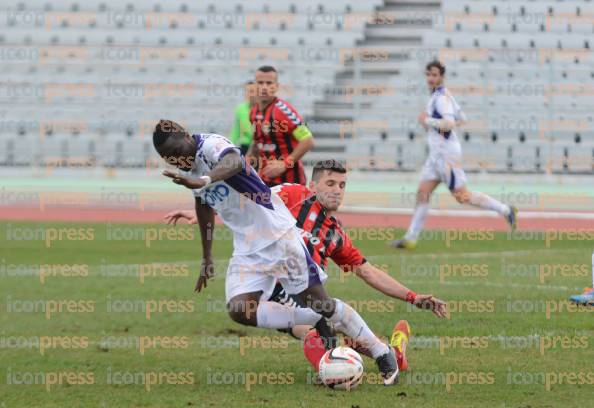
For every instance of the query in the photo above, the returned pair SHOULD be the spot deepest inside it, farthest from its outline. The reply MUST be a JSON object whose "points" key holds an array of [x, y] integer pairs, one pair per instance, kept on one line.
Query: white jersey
{"points": [[442, 105], [246, 205]]}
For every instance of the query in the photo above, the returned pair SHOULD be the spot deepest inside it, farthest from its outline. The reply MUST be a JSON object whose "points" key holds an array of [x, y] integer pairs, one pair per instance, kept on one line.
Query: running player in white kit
{"points": [[267, 245], [444, 164]]}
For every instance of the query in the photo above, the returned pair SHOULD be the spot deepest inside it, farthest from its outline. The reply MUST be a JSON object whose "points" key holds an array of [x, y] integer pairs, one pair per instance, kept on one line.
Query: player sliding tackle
{"points": [[266, 244], [313, 209], [444, 163]]}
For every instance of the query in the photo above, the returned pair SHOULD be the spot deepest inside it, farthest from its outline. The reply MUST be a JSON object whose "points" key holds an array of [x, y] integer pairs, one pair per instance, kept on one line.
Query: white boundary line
{"points": [[468, 213], [231, 341], [493, 254], [499, 285]]}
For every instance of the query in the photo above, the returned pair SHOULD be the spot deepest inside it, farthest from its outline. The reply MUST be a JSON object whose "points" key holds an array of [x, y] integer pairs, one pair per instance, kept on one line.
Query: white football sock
{"points": [[417, 222], [486, 202], [274, 315], [354, 326]]}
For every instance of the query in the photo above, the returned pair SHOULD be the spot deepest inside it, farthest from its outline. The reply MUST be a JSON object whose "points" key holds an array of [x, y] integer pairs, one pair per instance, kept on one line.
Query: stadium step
{"points": [[411, 5], [387, 47]]}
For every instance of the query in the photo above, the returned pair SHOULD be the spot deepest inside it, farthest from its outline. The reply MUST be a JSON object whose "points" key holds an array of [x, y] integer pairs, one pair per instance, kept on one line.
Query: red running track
{"points": [[348, 219]]}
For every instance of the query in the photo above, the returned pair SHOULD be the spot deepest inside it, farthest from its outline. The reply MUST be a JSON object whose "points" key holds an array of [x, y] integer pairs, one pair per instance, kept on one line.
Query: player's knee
{"points": [[423, 197], [240, 313], [461, 197]]}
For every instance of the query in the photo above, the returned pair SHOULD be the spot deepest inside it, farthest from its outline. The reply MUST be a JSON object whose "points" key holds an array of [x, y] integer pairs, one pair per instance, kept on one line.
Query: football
{"points": [[341, 368]]}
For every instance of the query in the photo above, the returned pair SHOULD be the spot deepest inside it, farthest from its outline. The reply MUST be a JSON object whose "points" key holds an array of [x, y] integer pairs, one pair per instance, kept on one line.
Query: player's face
{"points": [[266, 85], [330, 189], [179, 153], [434, 78]]}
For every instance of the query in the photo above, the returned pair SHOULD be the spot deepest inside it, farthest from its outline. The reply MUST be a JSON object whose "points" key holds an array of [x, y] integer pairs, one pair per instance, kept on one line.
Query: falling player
{"points": [[313, 209], [444, 164], [267, 246]]}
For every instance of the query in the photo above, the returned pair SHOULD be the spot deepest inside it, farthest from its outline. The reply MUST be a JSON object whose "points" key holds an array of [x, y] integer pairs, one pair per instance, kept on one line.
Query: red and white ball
{"points": [[341, 368]]}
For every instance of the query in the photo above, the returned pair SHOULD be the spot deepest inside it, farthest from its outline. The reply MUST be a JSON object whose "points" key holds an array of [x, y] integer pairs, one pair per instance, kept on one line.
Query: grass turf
{"points": [[511, 339]]}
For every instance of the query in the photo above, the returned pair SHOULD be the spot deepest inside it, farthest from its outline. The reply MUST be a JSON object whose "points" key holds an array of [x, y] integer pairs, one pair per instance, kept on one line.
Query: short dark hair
{"points": [[250, 83], [330, 165], [438, 65], [166, 129], [267, 68]]}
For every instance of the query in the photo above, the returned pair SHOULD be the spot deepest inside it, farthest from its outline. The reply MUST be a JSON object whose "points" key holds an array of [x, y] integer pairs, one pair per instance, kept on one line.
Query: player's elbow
{"points": [[309, 143]]}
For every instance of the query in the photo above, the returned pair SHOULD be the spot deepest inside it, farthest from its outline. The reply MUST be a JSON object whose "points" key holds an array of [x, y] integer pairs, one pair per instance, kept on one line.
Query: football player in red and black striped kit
{"points": [[281, 138], [325, 238], [313, 210]]}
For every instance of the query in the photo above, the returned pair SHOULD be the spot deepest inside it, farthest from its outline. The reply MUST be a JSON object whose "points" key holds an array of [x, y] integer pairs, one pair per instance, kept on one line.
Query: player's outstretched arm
{"points": [[174, 216], [381, 281], [205, 216]]}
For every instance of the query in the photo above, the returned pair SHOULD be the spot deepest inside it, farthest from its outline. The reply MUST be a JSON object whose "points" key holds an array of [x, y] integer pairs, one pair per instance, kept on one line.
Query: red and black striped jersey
{"points": [[322, 233], [275, 139]]}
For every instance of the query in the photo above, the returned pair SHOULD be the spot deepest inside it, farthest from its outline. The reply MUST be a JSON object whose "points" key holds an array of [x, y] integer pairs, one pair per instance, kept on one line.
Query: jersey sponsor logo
{"points": [[215, 194], [267, 147]]}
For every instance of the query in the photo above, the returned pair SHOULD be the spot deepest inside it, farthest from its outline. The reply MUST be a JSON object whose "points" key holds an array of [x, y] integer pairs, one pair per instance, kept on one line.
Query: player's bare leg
{"points": [[249, 310], [481, 200], [426, 188]]}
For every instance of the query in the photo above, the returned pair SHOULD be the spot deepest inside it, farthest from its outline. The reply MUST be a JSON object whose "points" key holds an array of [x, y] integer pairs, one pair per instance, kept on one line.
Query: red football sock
{"points": [[313, 348]]}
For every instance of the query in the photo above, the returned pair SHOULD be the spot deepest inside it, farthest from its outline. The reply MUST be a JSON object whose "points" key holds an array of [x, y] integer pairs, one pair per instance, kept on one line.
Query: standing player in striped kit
{"points": [[281, 138]]}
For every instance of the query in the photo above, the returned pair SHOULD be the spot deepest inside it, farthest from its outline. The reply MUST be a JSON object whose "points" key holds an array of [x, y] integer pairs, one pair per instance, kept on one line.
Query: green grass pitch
{"points": [[79, 334]]}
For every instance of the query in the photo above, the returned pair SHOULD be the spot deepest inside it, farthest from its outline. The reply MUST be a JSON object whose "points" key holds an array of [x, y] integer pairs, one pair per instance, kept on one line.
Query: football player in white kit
{"points": [[444, 164], [267, 245]]}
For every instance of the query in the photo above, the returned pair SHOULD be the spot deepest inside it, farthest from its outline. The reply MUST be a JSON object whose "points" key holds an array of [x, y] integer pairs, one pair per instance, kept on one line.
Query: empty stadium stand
{"points": [[84, 82]]}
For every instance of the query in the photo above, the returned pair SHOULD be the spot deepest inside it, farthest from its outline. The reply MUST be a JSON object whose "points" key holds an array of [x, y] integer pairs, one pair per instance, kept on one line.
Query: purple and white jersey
{"points": [[246, 205], [442, 105]]}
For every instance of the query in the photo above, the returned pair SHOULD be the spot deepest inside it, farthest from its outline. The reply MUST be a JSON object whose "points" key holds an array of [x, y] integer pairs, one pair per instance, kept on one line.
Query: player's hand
{"points": [[174, 216], [189, 182], [274, 168], [206, 272], [422, 117], [429, 302]]}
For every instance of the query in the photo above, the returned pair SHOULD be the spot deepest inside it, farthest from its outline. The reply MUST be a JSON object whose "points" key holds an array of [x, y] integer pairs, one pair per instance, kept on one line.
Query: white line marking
{"points": [[499, 285], [491, 254], [470, 213]]}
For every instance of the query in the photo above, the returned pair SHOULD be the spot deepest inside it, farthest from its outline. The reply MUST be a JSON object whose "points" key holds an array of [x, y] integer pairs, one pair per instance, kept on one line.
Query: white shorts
{"points": [[445, 168], [286, 261]]}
